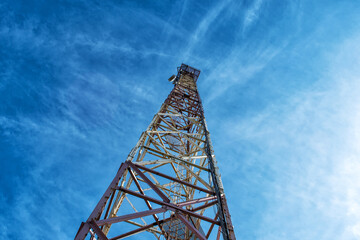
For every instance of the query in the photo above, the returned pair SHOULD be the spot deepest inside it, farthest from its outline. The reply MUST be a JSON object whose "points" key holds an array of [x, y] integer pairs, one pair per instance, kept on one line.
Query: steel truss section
{"points": [[169, 187]]}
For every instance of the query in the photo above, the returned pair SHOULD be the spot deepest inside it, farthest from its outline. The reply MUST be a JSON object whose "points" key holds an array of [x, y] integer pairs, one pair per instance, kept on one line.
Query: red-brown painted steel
{"points": [[174, 179], [177, 144]]}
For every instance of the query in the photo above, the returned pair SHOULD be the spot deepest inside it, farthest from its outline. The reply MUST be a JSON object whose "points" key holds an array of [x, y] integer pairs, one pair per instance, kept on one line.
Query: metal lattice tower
{"points": [[169, 187]]}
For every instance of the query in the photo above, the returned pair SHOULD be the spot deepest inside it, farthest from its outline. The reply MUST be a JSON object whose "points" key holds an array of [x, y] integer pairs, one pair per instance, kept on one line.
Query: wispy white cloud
{"points": [[309, 145], [252, 14], [86, 75], [32, 34], [207, 21], [238, 68], [50, 191]]}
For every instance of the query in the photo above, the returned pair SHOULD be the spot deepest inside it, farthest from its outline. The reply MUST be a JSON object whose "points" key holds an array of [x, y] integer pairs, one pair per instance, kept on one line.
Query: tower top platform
{"points": [[187, 70]]}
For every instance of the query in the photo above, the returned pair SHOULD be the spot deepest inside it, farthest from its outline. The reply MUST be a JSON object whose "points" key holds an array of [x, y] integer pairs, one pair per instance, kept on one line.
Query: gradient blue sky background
{"points": [[280, 82]]}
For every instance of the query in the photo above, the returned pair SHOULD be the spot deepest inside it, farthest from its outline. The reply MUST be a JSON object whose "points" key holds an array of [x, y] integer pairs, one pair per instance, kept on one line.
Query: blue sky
{"points": [[280, 83]]}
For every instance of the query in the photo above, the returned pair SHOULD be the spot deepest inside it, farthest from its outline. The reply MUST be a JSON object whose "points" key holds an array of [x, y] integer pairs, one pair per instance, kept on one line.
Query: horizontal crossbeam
{"points": [[171, 206], [175, 179], [130, 216]]}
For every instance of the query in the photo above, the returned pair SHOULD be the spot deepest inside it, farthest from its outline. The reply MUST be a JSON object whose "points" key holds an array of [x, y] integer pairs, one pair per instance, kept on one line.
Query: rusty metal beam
{"points": [[174, 179], [130, 216]]}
